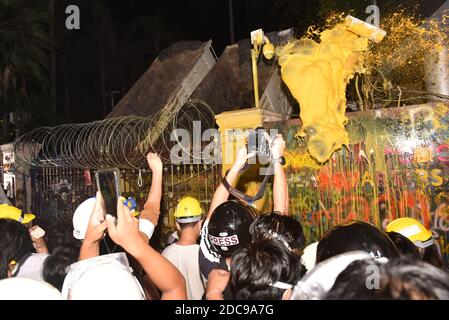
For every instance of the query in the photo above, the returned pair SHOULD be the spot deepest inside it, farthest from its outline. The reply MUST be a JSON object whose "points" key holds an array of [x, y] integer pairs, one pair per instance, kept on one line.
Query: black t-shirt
{"points": [[209, 260], [206, 265]]}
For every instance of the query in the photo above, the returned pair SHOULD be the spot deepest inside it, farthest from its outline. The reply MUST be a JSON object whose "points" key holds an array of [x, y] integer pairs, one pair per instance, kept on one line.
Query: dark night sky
{"points": [[125, 36], [209, 19], [200, 19]]}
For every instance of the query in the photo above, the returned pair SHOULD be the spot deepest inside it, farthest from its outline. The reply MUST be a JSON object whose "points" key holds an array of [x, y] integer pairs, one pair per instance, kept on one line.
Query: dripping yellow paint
{"points": [[316, 75]]}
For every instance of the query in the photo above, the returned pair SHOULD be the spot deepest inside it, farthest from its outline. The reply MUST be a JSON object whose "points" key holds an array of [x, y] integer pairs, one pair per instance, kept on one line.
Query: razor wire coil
{"points": [[121, 142]]}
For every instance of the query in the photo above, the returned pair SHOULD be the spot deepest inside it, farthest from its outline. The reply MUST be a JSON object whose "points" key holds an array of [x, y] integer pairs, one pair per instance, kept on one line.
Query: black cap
{"points": [[356, 235], [228, 228]]}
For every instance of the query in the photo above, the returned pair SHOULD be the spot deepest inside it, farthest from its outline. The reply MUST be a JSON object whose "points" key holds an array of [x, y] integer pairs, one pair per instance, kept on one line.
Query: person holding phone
{"points": [[149, 216], [92, 230], [124, 231], [109, 276]]}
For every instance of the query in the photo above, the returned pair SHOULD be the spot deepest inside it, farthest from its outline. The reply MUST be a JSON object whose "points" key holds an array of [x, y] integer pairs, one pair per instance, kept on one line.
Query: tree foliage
{"points": [[24, 45]]}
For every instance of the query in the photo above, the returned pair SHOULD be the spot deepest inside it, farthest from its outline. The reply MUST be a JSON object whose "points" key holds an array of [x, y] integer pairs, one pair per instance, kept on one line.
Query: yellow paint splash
{"points": [[409, 43], [298, 160], [316, 75]]}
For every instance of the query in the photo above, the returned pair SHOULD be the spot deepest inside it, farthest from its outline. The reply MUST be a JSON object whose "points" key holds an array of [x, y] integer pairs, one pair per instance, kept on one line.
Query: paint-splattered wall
{"points": [[397, 165]]}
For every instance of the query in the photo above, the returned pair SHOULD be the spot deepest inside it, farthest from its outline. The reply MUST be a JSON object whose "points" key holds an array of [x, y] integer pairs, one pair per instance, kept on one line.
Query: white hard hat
{"points": [[106, 277], [27, 289], [308, 257], [81, 218], [83, 213]]}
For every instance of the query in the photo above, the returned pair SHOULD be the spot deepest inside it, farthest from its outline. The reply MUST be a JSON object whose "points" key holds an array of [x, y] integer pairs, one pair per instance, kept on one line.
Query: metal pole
{"points": [[231, 21], [254, 56], [437, 63]]}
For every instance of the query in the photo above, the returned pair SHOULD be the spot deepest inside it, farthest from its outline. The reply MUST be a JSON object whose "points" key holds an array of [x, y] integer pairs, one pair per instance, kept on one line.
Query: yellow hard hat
{"points": [[188, 210], [413, 230], [10, 212]]}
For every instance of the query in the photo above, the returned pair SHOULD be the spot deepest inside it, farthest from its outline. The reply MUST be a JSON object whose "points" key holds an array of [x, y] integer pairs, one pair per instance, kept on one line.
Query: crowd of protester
{"points": [[229, 251]]}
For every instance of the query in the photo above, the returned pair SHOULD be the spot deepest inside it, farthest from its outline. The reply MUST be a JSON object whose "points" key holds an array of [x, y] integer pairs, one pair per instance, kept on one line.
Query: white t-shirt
{"points": [[185, 258], [32, 267]]}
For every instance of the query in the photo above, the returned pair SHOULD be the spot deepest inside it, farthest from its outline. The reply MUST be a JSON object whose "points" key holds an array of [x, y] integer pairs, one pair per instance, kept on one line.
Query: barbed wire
{"points": [[124, 142], [121, 142]]}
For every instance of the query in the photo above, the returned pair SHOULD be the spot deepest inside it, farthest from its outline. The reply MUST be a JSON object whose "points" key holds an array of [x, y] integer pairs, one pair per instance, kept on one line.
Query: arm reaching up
{"points": [[153, 204], [38, 242], [95, 231], [160, 271], [149, 216], [221, 194], [280, 186]]}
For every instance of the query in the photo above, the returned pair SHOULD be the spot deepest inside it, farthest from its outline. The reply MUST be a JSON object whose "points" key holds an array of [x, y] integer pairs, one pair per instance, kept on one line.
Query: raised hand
{"points": [[38, 240], [125, 232], [277, 145], [97, 223], [154, 162], [242, 157]]}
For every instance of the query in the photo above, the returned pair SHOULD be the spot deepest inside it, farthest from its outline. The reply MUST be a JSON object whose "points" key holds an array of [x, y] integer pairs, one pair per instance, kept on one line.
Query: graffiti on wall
{"points": [[397, 165]]}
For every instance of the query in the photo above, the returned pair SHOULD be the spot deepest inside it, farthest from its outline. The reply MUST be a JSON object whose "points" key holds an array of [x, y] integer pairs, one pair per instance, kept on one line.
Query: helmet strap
{"points": [[22, 217]]}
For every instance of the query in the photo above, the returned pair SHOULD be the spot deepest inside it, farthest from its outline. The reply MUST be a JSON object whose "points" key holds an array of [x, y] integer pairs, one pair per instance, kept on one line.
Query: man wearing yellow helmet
{"points": [[89, 222], [421, 237], [184, 253]]}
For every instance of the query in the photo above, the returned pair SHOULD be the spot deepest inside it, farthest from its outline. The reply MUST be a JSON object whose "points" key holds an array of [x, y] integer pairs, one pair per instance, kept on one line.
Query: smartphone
{"points": [[108, 183]]}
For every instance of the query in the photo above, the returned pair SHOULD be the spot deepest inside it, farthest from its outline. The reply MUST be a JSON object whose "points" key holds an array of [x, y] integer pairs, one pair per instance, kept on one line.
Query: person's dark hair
{"points": [[15, 240], [404, 245], [55, 266], [58, 226], [399, 279], [433, 255], [3, 267], [262, 263], [353, 236], [188, 224], [280, 227]]}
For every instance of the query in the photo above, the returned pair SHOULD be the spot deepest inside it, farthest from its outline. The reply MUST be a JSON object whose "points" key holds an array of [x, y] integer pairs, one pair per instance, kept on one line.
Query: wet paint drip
{"points": [[298, 160], [316, 75]]}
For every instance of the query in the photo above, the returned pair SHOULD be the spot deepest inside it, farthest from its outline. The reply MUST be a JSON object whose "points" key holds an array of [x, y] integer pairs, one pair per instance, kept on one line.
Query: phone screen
{"points": [[108, 184]]}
